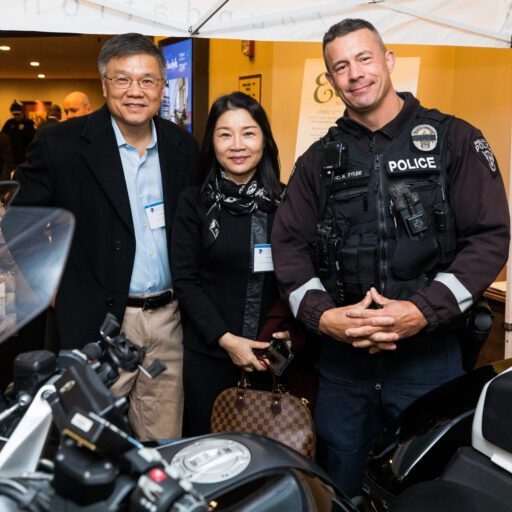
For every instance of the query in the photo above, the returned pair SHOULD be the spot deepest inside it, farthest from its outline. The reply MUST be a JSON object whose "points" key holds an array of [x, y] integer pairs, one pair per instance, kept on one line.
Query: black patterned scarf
{"points": [[236, 199]]}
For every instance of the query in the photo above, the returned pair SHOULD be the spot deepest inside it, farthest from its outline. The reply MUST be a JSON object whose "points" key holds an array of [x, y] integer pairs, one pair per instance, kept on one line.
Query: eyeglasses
{"points": [[123, 82]]}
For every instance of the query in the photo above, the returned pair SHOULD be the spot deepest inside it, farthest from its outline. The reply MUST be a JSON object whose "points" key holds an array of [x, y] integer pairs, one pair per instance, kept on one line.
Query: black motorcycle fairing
{"points": [[440, 496], [422, 440], [497, 427], [475, 470], [272, 465]]}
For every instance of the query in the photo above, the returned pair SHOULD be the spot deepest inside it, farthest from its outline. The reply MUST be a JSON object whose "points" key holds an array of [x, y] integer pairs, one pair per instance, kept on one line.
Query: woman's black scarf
{"points": [[245, 199]]}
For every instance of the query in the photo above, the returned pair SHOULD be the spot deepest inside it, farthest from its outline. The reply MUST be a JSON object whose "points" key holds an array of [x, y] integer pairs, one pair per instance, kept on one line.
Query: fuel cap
{"points": [[210, 461]]}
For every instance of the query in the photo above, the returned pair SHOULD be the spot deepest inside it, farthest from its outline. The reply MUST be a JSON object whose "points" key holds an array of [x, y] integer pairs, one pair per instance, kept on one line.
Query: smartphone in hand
{"points": [[278, 354]]}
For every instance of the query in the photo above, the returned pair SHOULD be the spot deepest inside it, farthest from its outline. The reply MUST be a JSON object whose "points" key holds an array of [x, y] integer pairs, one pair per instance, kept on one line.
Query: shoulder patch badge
{"points": [[484, 152], [424, 137]]}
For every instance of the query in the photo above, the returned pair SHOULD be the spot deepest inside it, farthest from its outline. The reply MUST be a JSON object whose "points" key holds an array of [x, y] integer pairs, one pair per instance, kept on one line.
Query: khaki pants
{"points": [[156, 405]]}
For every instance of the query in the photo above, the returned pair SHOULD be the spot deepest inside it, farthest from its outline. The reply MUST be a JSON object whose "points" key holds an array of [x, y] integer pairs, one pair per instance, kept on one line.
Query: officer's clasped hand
{"points": [[408, 320], [349, 324]]}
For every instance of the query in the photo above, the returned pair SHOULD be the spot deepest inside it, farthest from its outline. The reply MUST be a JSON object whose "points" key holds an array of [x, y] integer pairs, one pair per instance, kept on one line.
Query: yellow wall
{"points": [[472, 83], [227, 64], [45, 90], [483, 85], [288, 73]]}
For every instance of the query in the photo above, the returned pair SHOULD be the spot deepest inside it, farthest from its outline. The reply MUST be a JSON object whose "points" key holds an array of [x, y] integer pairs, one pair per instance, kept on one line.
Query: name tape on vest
{"points": [[352, 175], [416, 164]]}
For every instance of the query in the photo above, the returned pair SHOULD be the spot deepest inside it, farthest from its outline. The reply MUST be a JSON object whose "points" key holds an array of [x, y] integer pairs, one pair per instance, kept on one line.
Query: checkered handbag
{"points": [[275, 414]]}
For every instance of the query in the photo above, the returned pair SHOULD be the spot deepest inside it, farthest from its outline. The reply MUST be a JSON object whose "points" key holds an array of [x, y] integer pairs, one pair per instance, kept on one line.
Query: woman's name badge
{"points": [[263, 258], [155, 215]]}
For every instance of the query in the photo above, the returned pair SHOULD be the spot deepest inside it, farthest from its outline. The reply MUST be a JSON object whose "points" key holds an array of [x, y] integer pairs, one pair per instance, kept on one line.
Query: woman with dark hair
{"points": [[221, 262]]}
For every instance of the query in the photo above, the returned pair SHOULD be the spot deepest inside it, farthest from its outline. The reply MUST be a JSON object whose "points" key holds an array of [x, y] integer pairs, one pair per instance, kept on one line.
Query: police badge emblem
{"points": [[484, 152], [424, 137]]}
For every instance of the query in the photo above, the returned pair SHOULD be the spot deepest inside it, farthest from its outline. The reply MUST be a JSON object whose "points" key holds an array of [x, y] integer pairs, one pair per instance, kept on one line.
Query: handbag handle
{"points": [[277, 392]]}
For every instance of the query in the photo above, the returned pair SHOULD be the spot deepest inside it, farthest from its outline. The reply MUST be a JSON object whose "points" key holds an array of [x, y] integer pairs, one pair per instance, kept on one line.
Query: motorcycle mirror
{"points": [[109, 328]]}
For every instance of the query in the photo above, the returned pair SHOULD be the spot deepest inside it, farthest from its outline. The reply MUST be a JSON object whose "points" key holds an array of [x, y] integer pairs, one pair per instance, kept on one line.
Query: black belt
{"points": [[152, 301]]}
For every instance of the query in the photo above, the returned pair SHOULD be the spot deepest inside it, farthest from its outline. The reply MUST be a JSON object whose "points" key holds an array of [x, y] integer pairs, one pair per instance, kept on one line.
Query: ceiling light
{"points": [[34, 63], [41, 75], [5, 48]]}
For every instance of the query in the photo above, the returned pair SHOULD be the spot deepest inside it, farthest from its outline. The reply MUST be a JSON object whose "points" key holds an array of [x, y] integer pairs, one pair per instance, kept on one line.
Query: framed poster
{"points": [[250, 85]]}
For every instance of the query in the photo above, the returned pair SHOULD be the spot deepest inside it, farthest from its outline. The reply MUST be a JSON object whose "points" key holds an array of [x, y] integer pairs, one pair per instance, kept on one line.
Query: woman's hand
{"points": [[240, 350], [283, 335]]}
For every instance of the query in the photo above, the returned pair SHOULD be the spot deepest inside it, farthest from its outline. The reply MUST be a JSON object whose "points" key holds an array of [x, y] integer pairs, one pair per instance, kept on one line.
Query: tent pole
{"points": [[507, 324], [305, 12], [194, 29], [387, 4], [339, 7]]}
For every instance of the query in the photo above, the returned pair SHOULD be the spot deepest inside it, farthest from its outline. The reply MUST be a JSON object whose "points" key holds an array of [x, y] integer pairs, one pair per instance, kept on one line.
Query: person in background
{"points": [[6, 157], [76, 104], [54, 116], [20, 130], [224, 284], [119, 171], [392, 226]]}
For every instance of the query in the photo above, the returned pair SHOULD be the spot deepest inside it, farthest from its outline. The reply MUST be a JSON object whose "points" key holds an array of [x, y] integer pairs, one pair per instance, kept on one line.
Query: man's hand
{"points": [[408, 320], [350, 324]]}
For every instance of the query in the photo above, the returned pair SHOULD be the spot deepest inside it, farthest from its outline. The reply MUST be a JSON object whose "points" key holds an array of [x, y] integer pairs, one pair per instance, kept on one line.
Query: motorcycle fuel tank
{"points": [[244, 472]]}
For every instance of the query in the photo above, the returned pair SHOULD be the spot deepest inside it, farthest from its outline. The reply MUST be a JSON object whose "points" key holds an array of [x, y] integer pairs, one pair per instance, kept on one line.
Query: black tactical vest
{"points": [[385, 221]]}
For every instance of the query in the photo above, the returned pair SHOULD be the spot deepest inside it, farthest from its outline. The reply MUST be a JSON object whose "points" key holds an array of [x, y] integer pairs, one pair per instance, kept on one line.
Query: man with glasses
{"points": [[120, 171]]}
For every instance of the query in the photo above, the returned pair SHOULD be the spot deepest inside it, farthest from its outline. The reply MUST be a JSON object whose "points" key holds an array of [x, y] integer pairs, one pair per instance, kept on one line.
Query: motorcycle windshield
{"points": [[34, 244], [8, 191]]}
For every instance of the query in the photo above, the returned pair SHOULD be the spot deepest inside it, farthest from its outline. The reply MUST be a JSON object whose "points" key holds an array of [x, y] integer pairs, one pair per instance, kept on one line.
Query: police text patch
{"points": [[415, 165], [484, 152]]}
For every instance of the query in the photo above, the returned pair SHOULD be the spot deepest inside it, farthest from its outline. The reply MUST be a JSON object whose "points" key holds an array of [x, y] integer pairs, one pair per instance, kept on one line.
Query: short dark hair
{"points": [[55, 111], [347, 26], [126, 45], [16, 107], [268, 167]]}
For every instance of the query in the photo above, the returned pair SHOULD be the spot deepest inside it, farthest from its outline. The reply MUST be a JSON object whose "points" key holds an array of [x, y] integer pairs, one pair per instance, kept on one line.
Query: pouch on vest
{"points": [[416, 247], [359, 257]]}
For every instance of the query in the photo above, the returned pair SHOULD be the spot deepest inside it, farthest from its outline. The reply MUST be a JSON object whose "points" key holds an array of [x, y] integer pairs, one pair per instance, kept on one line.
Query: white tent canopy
{"points": [[440, 22]]}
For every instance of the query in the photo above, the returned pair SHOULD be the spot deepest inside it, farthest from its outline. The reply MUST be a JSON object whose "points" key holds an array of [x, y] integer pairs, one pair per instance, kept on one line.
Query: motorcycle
{"points": [[68, 445]]}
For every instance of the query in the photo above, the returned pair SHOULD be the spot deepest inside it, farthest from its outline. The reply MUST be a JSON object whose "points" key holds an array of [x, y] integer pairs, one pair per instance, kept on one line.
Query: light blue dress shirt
{"points": [[151, 273]]}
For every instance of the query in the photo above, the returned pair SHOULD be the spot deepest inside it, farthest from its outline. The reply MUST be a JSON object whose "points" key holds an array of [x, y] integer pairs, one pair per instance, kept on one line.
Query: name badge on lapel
{"points": [[155, 215], [263, 258]]}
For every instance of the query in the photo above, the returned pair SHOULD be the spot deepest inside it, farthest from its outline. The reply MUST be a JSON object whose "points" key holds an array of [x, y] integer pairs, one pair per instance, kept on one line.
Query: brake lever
{"points": [[22, 402]]}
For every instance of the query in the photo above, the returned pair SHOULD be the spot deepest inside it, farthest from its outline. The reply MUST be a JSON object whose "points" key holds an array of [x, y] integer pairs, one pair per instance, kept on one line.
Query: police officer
{"points": [[20, 130], [393, 224]]}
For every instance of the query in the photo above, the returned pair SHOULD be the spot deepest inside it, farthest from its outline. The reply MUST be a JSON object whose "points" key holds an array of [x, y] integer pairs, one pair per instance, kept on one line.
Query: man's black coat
{"points": [[76, 165]]}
